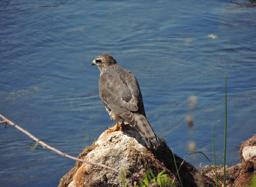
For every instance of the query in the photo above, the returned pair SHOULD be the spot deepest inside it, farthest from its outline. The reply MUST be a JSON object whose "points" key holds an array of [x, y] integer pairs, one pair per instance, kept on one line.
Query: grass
{"points": [[162, 179], [216, 180], [176, 168], [225, 132], [122, 178], [253, 182]]}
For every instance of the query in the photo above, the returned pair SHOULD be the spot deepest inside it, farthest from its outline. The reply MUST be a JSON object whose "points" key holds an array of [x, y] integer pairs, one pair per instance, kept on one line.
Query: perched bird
{"points": [[120, 93]]}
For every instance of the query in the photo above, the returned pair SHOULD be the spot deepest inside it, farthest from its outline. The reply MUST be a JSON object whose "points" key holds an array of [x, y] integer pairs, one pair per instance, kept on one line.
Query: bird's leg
{"points": [[113, 116], [116, 127]]}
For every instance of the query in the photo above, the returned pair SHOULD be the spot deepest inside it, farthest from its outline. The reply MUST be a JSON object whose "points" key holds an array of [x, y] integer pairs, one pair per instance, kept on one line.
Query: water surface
{"points": [[175, 48]]}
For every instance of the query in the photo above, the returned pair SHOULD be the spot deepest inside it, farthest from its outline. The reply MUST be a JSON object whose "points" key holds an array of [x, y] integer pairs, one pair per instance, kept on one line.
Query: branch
{"points": [[6, 121]]}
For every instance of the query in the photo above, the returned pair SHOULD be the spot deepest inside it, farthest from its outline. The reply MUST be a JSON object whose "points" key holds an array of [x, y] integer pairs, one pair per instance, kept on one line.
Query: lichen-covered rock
{"points": [[239, 175], [216, 173], [117, 150], [123, 149], [248, 159], [248, 149]]}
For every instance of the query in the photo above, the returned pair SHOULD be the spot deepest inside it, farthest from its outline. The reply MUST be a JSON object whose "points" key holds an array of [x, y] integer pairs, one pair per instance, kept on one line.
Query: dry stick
{"points": [[6, 121]]}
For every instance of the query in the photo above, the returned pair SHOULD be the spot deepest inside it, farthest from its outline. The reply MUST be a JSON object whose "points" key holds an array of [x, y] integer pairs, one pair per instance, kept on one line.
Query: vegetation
{"points": [[162, 179], [122, 178], [225, 133], [253, 182], [176, 168]]}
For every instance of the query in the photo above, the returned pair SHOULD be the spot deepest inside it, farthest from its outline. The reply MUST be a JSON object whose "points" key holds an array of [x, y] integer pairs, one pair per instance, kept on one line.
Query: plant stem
{"points": [[214, 155], [177, 170], [225, 131]]}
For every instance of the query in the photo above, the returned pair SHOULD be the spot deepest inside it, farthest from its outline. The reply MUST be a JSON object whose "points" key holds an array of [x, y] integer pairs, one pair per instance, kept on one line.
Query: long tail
{"points": [[144, 128]]}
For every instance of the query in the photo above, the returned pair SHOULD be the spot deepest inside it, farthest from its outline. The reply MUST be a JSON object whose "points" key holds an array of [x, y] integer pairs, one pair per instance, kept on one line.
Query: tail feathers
{"points": [[144, 128], [146, 131]]}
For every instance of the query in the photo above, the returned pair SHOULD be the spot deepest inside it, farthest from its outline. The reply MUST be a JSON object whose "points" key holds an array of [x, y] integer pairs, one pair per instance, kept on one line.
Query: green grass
{"points": [[225, 132], [162, 179], [122, 178], [216, 180], [253, 182], [176, 168]]}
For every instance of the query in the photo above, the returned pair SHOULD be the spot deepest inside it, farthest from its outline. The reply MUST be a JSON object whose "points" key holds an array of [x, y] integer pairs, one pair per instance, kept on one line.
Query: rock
{"points": [[122, 148], [248, 149], [216, 173], [248, 159], [241, 174]]}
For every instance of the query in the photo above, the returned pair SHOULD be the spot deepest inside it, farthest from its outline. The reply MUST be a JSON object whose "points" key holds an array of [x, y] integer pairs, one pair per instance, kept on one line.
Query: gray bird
{"points": [[120, 93]]}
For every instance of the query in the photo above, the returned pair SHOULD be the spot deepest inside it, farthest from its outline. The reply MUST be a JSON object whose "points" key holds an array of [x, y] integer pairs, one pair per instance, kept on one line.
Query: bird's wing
{"points": [[111, 93], [132, 84]]}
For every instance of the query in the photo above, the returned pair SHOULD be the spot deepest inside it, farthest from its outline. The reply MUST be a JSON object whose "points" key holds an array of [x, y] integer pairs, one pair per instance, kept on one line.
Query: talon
{"points": [[116, 127]]}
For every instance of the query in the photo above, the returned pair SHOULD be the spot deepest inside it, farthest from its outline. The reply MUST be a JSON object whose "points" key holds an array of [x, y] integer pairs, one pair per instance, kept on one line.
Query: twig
{"points": [[202, 153], [6, 121]]}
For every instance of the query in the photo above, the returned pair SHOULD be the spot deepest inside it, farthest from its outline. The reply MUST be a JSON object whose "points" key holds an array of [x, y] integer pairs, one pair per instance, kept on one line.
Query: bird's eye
{"points": [[98, 61]]}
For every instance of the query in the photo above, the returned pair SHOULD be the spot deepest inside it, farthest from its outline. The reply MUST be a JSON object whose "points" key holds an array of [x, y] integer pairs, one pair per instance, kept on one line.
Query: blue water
{"points": [[176, 49]]}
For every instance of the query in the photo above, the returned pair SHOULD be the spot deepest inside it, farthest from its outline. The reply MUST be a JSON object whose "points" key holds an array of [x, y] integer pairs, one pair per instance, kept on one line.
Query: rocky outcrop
{"points": [[248, 163], [240, 175], [123, 149]]}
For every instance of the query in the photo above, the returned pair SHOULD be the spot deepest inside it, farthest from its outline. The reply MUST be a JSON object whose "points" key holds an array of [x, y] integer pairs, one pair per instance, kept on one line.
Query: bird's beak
{"points": [[93, 62]]}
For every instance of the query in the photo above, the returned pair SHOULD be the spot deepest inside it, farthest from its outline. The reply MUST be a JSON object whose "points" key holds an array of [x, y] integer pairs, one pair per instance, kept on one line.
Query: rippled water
{"points": [[175, 48]]}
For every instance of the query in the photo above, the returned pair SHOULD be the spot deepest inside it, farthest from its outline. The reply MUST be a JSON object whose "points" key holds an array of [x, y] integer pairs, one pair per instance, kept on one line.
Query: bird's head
{"points": [[103, 61]]}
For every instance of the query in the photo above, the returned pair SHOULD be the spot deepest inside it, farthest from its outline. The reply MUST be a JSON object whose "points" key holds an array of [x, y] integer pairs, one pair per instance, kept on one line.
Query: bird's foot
{"points": [[116, 127]]}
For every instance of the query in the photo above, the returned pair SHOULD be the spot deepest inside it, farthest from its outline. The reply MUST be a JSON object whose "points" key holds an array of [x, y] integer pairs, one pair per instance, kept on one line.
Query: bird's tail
{"points": [[144, 128]]}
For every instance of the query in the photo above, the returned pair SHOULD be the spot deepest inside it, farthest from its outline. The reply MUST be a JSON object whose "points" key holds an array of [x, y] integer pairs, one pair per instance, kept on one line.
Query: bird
{"points": [[120, 93]]}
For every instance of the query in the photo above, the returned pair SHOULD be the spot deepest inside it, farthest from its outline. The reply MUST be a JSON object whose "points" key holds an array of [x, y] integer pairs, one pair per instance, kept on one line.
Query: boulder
{"points": [[124, 150], [242, 174], [248, 163]]}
